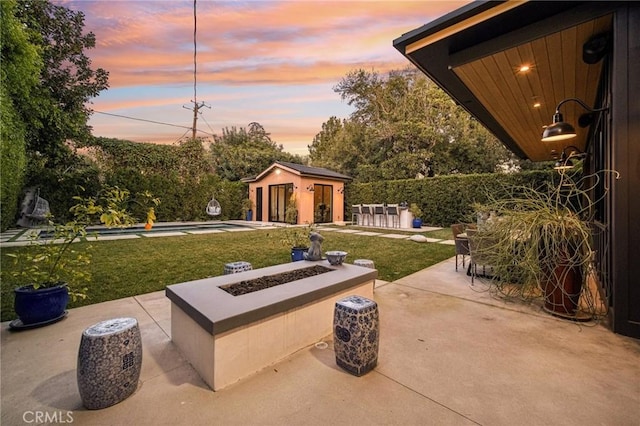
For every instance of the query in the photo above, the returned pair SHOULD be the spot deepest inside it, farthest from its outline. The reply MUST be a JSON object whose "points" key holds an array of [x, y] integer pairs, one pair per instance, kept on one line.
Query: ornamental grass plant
{"points": [[538, 238]]}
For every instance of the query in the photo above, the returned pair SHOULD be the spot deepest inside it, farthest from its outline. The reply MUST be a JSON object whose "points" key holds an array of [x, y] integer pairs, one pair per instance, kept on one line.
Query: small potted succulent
{"points": [[51, 271]]}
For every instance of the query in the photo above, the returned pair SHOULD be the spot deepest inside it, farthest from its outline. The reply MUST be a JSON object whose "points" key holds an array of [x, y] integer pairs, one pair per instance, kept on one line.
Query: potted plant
{"points": [[53, 270], [247, 209], [297, 238], [416, 211], [541, 245], [291, 212]]}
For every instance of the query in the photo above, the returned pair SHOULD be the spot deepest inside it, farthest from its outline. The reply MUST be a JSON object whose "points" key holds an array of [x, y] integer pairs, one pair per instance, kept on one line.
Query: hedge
{"points": [[181, 199], [444, 199], [12, 161]]}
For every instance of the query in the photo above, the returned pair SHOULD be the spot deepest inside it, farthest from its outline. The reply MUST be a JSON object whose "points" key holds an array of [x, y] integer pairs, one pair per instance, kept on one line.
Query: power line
{"points": [[196, 106], [206, 122], [150, 121], [142, 119], [180, 138]]}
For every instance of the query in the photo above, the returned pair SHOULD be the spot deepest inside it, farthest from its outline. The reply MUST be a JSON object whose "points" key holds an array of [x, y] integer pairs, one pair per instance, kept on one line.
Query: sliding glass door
{"points": [[278, 199], [322, 203]]}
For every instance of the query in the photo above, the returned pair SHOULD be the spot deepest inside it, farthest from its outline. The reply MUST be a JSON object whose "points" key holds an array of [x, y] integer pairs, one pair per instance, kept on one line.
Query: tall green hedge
{"points": [[181, 199], [444, 199], [12, 161], [185, 199]]}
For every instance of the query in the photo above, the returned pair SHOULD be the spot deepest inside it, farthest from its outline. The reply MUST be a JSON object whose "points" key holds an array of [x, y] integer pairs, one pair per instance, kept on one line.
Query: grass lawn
{"points": [[124, 268]]}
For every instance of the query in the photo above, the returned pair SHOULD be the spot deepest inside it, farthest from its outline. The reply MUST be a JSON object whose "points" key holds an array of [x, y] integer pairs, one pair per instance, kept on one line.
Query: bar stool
{"points": [[367, 213], [392, 212], [356, 212], [379, 212]]}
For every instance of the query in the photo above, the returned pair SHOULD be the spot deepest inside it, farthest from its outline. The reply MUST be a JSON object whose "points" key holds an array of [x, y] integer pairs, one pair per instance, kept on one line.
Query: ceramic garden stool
{"points": [[109, 362], [235, 267], [365, 263], [356, 327]]}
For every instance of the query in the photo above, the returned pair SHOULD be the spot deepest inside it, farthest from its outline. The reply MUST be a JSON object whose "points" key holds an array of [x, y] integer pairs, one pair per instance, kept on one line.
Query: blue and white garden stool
{"points": [[356, 327], [365, 263], [235, 267], [109, 362]]}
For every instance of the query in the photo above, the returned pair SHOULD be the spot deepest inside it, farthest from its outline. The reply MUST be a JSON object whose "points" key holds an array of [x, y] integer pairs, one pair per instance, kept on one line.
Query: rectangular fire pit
{"points": [[226, 337]]}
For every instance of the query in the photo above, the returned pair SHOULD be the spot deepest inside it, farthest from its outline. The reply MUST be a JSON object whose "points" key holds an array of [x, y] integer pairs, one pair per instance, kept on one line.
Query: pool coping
{"points": [[20, 236]]}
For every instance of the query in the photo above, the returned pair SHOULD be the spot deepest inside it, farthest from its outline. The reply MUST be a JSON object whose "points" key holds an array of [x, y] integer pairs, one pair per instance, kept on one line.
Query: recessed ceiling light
{"points": [[537, 105], [524, 68]]}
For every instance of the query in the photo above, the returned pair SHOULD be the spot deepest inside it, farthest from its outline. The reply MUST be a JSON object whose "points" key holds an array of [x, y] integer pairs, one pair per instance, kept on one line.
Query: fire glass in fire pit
{"points": [[256, 284]]}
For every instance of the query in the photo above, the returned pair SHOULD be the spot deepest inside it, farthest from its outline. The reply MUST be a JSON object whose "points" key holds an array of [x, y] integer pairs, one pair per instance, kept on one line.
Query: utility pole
{"points": [[196, 108]]}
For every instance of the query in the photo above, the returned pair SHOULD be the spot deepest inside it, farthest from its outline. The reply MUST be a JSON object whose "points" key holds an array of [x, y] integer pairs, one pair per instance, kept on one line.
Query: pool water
{"points": [[157, 228]]}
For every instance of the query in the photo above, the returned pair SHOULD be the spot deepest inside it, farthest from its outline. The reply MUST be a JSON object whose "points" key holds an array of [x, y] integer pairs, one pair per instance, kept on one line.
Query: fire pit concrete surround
{"points": [[226, 338]]}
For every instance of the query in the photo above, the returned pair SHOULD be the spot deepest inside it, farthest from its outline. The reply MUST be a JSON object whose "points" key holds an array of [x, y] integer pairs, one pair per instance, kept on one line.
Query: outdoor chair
{"points": [[356, 214], [213, 207], [478, 253], [457, 229], [461, 242], [367, 213], [379, 212], [393, 214], [37, 211]]}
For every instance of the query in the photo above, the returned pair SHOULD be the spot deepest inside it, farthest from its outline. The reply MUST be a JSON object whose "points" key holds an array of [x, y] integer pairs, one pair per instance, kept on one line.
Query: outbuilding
{"points": [[316, 193]]}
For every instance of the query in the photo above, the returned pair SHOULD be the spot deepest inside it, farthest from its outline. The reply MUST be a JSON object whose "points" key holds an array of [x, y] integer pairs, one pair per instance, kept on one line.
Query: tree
{"points": [[57, 110], [403, 126], [19, 72], [239, 153]]}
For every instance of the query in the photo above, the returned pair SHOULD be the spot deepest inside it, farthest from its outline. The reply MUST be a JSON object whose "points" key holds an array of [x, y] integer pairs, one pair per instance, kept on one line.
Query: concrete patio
{"points": [[449, 354]]}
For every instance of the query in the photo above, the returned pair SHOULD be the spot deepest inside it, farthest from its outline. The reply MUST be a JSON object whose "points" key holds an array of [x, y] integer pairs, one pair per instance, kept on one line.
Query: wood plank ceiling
{"points": [[523, 102]]}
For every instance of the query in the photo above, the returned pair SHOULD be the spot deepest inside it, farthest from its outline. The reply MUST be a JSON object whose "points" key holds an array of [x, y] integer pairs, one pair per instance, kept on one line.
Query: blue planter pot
{"points": [[417, 223], [42, 305], [249, 216], [297, 253]]}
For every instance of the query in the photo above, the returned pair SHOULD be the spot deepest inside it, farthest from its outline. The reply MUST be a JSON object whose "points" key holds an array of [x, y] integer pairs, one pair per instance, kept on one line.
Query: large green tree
{"points": [[402, 126], [241, 153], [338, 145], [57, 110], [20, 66]]}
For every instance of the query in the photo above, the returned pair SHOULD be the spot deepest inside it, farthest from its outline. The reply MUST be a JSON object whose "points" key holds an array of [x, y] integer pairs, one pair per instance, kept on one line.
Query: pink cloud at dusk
{"points": [[272, 62]]}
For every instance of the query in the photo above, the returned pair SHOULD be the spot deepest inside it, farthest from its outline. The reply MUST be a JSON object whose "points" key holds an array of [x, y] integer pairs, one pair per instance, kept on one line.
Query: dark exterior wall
{"points": [[625, 140]]}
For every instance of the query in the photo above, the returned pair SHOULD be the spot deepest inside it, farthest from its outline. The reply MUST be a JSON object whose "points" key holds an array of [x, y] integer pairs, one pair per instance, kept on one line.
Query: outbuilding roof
{"points": [[301, 170]]}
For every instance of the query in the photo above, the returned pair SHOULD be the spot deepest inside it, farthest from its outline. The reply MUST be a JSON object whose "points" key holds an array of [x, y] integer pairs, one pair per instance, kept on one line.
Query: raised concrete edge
{"points": [[217, 311]]}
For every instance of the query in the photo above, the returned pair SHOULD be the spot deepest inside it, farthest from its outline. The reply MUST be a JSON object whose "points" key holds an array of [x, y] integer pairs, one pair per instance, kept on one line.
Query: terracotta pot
{"points": [[562, 290]]}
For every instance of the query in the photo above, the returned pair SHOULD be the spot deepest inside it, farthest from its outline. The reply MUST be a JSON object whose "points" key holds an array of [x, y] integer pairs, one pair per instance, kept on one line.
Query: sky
{"points": [[271, 62]]}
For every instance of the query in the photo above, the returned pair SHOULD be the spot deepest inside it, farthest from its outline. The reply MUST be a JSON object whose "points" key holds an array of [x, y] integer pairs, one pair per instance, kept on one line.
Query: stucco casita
{"points": [[319, 193]]}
